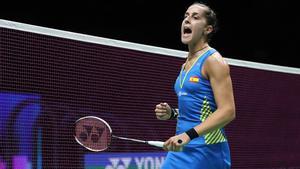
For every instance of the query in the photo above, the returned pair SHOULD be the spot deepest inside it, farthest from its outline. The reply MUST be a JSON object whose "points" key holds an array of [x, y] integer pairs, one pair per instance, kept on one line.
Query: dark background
{"points": [[263, 31]]}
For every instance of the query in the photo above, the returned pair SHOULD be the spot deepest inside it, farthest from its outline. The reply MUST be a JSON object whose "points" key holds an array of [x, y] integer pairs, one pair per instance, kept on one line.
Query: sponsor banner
{"points": [[143, 160]]}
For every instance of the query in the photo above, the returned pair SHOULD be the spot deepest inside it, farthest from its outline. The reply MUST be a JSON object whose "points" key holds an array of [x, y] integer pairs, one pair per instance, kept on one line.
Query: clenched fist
{"points": [[163, 111]]}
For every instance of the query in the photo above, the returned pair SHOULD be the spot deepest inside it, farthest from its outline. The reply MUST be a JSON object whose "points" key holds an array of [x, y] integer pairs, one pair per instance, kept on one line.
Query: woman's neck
{"points": [[194, 50]]}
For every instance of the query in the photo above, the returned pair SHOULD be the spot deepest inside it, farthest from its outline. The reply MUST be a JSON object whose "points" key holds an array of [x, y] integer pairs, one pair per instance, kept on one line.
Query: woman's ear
{"points": [[208, 29]]}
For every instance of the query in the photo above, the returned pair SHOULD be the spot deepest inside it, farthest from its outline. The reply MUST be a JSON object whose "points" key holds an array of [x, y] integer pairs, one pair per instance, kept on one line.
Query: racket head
{"points": [[93, 133]]}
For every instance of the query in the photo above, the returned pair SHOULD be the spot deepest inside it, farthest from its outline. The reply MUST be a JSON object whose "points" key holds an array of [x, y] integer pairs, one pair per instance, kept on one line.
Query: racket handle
{"points": [[156, 143]]}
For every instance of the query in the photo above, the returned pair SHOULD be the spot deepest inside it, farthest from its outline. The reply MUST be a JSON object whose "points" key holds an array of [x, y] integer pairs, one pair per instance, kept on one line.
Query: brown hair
{"points": [[210, 17]]}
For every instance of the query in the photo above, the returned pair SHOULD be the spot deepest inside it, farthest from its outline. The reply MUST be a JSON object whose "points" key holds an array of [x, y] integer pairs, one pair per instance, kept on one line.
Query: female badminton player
{"points": [[205, 99]]}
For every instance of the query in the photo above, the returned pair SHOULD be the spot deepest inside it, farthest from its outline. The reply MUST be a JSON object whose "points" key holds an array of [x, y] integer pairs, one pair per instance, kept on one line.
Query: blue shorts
{"points": [[213, 156]]}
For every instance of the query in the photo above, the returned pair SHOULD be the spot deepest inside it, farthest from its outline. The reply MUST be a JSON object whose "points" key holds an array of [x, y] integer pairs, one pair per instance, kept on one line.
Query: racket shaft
{"points": [[152, 143], [156, 143], [130, 139]]}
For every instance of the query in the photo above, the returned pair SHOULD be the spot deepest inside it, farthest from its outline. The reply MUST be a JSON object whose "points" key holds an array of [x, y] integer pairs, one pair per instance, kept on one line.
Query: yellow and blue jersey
{"points": [[196, 101]]}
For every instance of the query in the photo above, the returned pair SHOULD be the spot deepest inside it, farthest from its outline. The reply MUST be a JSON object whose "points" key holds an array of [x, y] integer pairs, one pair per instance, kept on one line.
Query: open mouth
{"points": [[187, 30]]}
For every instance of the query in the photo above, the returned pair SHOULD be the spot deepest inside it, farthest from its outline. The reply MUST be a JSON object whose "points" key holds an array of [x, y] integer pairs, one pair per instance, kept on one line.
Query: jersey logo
{"points": [[194, 79]]}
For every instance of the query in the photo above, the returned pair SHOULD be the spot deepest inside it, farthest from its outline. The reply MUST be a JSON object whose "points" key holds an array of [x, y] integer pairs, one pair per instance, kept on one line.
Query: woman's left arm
{"points": [[217, 71]]}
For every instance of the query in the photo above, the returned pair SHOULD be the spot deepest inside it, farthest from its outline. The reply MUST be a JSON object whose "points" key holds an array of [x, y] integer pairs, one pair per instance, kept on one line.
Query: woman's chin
{"points": [[185, 41]]}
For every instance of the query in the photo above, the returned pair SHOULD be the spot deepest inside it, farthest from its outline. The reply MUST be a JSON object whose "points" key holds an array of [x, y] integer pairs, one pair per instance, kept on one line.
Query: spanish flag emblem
{"points": [[194, 79]]}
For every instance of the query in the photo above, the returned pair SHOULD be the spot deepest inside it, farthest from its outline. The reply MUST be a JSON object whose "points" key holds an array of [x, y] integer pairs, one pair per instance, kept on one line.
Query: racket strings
{"points": [[93, 134]]}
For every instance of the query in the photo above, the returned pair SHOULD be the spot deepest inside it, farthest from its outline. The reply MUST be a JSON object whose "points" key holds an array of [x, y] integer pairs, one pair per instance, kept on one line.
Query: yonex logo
{"points": [[182, 93], [118, 163], [135, 162], [94, 133]]}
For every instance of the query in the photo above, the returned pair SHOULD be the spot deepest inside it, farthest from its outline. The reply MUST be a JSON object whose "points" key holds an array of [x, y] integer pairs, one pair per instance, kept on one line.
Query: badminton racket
{"points": [[95, 134]]}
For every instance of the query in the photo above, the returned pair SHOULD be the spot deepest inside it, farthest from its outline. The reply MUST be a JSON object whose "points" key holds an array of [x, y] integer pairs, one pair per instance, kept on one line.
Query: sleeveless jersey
{"points": [[196, 102]]}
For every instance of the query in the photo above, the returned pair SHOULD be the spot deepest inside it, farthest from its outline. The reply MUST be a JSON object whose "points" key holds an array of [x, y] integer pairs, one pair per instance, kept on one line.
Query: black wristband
{"points": [[192, 133], [174, 114]]}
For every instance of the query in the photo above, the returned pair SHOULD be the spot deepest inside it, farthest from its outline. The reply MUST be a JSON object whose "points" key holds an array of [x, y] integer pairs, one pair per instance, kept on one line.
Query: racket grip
{"points": [[156, 143]]}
